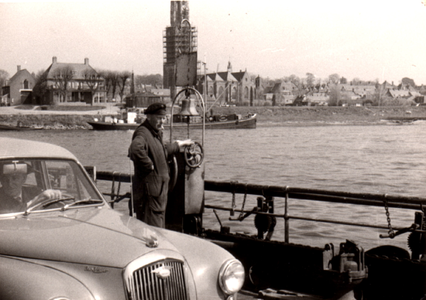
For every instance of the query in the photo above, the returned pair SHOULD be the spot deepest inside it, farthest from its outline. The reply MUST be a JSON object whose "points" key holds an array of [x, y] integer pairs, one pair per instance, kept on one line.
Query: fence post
{"points": [[286, 218]]}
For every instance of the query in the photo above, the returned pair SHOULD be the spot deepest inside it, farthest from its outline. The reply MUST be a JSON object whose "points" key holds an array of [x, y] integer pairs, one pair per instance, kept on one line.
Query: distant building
{"points": [[19, 88], [164, 94], [228, 87], [141, 99], [318, 98], [69, 82]]}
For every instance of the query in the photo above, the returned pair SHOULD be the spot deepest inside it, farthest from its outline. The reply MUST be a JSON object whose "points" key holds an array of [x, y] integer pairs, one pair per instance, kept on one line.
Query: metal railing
{"points": [[286, 192]]}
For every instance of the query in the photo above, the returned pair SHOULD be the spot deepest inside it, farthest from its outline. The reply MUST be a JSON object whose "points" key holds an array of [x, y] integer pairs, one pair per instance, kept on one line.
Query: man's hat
{"points": [[156, 109]]}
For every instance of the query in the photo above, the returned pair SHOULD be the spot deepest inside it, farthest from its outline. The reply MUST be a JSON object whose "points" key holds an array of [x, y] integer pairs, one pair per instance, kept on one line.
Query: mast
{"points": [[132, 86]]}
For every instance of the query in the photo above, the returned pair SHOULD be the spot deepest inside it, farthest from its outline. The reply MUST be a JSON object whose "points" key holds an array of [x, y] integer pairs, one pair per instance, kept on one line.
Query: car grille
{"points": [[161, 280]]}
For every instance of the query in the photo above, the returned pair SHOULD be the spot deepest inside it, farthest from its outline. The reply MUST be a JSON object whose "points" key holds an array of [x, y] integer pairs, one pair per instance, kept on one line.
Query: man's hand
{"points": [[50, 194], [46, 195]]}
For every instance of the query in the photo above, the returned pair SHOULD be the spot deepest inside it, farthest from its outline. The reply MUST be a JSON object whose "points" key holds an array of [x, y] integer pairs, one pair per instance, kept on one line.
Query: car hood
{"points": [[97, 236]]}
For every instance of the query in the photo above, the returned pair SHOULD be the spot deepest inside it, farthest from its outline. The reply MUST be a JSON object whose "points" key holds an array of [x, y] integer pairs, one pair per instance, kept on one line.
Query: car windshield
{"points": [[40, 184]]}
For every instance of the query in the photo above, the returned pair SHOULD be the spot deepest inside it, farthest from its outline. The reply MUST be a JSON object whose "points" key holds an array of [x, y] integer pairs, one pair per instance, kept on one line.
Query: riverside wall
{"points": [[64, 120]]}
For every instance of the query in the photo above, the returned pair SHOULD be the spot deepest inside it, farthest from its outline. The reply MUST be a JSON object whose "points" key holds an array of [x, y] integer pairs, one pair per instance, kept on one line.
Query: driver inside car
{"points": [[14, 196]]}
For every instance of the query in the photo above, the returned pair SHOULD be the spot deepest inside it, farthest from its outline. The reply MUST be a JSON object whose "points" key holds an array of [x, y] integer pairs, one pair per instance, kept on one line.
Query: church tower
{"points": [[229, 69], [180, 37]]}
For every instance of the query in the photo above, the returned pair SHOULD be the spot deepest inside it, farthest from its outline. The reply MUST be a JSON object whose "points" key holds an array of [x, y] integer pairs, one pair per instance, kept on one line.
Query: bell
{"points": [[188, 108]]}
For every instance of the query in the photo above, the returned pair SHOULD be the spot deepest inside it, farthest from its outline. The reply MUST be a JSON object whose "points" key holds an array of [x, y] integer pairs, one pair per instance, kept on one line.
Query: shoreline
{"points": [[266, 116]]}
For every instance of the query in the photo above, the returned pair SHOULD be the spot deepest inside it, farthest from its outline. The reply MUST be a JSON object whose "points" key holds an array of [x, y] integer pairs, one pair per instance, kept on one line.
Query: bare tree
{"points": [[154, 80], [4, 76], [114, 78], [379, 96], [297, 82], [355, 81], [294, 79], [334, 78], [310, 80], [408, 81], [107, 86], [92, 80], [123, 81], [62, 77], [111, 82], [334, 96], [41, 88]]}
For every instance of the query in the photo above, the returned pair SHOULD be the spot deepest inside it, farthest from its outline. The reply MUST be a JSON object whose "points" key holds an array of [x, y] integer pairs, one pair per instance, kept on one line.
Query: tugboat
{"points": [[230, 121]]}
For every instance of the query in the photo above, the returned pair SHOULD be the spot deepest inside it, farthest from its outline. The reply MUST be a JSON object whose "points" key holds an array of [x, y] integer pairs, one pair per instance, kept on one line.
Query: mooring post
{"points": [[286, 218]]}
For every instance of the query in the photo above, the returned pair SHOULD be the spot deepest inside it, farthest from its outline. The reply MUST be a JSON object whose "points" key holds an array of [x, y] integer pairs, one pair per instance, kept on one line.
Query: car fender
{"points": [[204, 259], [21, 279]]}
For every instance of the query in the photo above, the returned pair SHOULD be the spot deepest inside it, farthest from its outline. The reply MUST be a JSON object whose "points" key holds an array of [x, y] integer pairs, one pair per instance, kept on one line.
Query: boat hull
{"points": [[19, 128], [249, 123], [283, 266]]}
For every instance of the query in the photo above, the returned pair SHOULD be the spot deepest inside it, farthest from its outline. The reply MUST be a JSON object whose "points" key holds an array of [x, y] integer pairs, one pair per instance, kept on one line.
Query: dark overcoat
{"points": [[150, 185]]}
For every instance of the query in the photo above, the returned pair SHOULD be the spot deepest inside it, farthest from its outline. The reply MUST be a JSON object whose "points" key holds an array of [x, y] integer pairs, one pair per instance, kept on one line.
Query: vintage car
{"points": [[75, 246]]}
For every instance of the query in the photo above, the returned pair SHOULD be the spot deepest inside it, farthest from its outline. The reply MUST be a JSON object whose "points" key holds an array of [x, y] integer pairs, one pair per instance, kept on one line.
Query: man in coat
{"points": [[150, 160]]}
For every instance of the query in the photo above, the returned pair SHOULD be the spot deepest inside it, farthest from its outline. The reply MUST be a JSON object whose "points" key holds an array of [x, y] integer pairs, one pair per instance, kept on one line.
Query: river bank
{"points": [[63, 119], [328, 115]]}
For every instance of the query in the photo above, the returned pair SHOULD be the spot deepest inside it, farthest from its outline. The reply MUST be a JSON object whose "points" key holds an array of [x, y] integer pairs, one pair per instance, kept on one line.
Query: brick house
{"points": [[280, 93], [70, 82], [19, 88]]}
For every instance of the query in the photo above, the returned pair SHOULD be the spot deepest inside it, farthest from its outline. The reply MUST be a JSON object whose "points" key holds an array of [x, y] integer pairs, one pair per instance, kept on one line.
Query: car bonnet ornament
{"points": [[151, 238], [162, 272]]}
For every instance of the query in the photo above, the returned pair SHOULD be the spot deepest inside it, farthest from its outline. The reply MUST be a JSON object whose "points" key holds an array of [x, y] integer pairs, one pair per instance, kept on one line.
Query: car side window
{"points": [[63, 176], [60, 176]]}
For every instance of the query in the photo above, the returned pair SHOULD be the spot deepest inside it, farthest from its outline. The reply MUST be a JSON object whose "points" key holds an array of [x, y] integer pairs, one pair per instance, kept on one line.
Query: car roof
{"points": [[13, 147]]}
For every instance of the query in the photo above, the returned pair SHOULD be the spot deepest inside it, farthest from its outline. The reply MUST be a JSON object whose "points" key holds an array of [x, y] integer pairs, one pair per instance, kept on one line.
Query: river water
{"points": [[383, 159]]}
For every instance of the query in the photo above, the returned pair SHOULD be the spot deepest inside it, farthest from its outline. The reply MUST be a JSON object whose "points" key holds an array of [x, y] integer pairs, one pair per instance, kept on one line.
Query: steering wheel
{"points": [[194, 155]]}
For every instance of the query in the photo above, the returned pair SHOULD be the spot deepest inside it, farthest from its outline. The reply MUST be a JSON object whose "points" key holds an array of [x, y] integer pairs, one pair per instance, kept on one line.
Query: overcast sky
{"points": [[370, 40]]}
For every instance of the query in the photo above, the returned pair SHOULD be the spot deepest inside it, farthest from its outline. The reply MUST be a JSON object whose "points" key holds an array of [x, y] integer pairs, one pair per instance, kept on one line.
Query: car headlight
{"points": [[231, 276]]}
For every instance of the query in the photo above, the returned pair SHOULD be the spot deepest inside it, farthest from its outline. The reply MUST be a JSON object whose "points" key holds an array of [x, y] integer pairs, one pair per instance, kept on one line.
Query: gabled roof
{"points": [[211, 77], [19, 73], [268, 89], [276, 88], [399, 93], [79, 69], [226, 76], [214, 77], [358, 88], [239, 75], [287, 86]]}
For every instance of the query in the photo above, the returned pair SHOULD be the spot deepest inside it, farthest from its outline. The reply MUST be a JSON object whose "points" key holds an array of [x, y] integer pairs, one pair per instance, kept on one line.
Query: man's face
{"points": [[157, 121], [12, 183]]}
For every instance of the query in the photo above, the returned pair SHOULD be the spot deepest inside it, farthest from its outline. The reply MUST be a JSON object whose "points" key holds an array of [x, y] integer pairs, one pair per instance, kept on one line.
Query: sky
{"points": [[370, 40]]}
